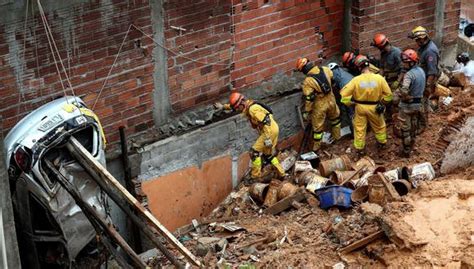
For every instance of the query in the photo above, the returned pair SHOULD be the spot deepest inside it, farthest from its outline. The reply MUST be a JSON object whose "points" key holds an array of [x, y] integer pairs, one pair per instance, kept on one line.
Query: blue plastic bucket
{"points": [[334, 196]]}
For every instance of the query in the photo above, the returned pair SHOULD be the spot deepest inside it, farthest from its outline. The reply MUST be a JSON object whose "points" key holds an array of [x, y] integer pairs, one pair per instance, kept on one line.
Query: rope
{"points": [[175, 53], [156, 42], [45, 22], [112, 67], [20, 94], [51, 48]]}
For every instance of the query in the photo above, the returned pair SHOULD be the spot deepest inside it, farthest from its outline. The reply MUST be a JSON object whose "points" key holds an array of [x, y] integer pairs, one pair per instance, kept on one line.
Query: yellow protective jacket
{"points": [[312, 91], [367, 88], [262, 120]]}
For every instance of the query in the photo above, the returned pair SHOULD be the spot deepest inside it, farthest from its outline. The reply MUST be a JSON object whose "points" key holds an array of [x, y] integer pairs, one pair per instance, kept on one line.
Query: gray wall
{"points": [[9, 234], [231, 136]]}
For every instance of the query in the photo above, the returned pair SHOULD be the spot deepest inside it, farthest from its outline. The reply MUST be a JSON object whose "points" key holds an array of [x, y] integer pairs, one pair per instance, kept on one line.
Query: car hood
{"points": [[38, 123]]}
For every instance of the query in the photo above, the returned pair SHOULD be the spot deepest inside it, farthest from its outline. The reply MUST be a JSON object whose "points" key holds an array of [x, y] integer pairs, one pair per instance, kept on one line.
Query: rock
{"points": [[208, 240], [219, 246], [371, 210], [250, 250], [205, 244]]}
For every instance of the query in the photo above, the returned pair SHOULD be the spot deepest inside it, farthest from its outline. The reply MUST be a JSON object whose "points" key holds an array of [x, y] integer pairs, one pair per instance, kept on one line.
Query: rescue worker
{"points": [[410, 96], [261, 118], [348, 62], [428, 55], [370, 93], [390, 60], [319, 100], [390, 65], [340, 78]]}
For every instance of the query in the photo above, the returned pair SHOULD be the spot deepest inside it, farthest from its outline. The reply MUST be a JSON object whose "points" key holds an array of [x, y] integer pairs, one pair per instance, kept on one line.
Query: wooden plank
{"points": [[390, 188], [285, 203], [100, 224], [362, 242], [111, 185], [127, 175]]}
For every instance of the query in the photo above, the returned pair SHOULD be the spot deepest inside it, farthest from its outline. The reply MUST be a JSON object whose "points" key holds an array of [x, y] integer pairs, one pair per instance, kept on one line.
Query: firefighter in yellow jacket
{"points": [[319, 100], [369, 92], [261, 119]]}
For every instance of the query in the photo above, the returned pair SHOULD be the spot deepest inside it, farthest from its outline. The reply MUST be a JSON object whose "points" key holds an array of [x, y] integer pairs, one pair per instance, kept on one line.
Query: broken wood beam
{"points": [[285, 203], [125, 200], [362, 242], [98, 222], [127, 175]]}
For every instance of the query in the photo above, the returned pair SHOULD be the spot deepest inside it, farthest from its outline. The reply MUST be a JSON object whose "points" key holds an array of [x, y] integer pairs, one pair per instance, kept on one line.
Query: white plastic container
{"points": [[422, 171]]}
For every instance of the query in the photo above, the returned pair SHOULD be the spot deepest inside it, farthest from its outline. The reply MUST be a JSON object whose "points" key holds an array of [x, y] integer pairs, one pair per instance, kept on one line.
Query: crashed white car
{"points": [[52, 230]]}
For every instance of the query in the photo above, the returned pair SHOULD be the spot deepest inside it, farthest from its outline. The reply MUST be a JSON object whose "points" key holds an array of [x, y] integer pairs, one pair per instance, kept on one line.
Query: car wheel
{"points": [[469, 30]]}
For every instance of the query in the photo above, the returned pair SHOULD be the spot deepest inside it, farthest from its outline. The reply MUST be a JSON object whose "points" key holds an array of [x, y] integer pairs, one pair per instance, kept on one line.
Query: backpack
{"points": [[322, 81], [266, 107]]}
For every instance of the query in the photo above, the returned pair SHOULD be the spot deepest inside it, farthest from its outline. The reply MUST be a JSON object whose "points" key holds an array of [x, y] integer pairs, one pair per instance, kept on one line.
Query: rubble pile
{"points": [[330, 207], [339, 211]]}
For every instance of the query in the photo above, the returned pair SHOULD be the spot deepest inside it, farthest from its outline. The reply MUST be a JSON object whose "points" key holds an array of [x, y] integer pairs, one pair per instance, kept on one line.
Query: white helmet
{"points": [[332, 65]]}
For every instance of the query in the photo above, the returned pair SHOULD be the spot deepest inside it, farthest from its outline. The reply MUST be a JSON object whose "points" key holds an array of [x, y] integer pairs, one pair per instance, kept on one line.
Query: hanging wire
{"points": [[111, 68], [156, 42], [51, 48], [21, 98]]}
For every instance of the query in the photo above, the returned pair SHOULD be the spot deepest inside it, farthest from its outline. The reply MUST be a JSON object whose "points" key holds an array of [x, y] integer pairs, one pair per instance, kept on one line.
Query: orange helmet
{"points": [[300, 63], [361, 61], [409, 55], [347, 57], [380, 40], [235, 99]]}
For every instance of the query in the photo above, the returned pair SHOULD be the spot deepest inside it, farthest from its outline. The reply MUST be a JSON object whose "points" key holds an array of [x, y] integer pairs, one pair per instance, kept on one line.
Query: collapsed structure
{"points": [[174, 60]]}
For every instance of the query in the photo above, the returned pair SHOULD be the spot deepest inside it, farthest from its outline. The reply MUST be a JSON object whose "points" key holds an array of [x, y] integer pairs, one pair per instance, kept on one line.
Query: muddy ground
{"points": [[433, 226]]}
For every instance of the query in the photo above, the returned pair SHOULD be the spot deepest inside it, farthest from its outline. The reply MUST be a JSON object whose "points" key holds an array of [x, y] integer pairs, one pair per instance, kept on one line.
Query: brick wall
{"points": [[206, 39], [88, 36], [271, 35], [452, 12], [396, 19], [249, 40], [467, 10], [213, 46]]}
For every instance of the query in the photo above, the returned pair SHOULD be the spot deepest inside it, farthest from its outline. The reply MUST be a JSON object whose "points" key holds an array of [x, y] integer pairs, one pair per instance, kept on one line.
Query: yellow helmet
{"points": [[418, 32]]}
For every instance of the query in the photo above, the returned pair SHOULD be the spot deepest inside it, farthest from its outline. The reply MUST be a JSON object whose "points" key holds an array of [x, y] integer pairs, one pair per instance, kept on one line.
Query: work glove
{"points": [[268, 143], [218, 106], [395, 84], [305, 116], [380, 108]]}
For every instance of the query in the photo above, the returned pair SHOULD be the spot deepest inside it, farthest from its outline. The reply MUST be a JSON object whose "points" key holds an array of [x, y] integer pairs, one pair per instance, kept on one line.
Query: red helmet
{"points": [[300, 63], [361, 61], [409, 55], [380, 40], [347, 58], [235, 99]]}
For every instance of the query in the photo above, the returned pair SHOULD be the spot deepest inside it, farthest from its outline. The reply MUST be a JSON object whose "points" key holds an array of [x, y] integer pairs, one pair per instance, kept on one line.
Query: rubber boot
{"points": [[276, 163], [336, 132], [256, 171]]}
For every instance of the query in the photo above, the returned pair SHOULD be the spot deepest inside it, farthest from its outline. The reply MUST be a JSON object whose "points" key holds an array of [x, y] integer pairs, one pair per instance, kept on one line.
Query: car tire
{"points": [[469, 30]]}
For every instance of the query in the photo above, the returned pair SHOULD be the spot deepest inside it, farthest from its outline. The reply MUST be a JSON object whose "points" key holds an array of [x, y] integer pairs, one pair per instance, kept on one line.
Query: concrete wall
{"points": [[186, 176], [8, 234]]}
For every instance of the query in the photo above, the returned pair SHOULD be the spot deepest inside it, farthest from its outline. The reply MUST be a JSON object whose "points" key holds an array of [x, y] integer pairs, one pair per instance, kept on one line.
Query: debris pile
{"points": [[335, 206], [340, 211]]}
